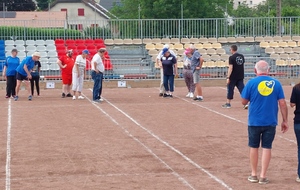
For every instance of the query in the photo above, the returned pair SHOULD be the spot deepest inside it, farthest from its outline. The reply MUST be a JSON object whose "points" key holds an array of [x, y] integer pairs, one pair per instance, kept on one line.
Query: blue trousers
{"points": [[230, 87], [97, 89], [297, 133], [169, 83]]}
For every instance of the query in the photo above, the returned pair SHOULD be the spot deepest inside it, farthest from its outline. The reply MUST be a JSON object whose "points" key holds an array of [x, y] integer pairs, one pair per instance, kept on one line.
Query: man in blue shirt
{"points": [[23, 73], [264, 94], [196, 65], [9, 72]]}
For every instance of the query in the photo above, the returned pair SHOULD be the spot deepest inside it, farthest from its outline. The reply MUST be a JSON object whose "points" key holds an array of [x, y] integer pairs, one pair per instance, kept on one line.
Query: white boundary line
{"points": [[180, 178], [171, 147], [8, 148]]}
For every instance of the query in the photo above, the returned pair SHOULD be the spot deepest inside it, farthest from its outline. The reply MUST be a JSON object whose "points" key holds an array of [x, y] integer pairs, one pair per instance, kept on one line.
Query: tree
{"points": [[18, 5], [43, 4]]}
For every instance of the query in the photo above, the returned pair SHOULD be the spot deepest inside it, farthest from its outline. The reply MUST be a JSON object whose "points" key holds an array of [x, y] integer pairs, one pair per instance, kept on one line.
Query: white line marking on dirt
{"points": [[171, 147], [8, 148], [184, 181]]}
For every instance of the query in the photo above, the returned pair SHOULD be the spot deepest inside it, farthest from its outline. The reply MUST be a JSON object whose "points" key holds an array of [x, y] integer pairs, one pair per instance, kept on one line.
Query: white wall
{"points": [[248, 2]]}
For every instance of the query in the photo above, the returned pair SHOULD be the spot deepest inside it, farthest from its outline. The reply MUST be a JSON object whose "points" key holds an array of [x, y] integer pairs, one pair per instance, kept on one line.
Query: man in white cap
{"points": [[162, 90], [23, 73]]}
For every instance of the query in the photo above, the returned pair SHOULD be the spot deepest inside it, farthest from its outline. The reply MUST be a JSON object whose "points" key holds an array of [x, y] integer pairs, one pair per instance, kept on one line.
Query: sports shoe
{"points": [[96, 101], [161, 94], [263, 181], [30, 98], [74, 98], [246, 107], [80, 97], [16, 98], [63, 95], [199, 99], [191, 95], [188, 95], [101, 100], [69, 95], [166, 95], [170, 96], [253, 179], [7, 97], [227, 105], [298, 179]]}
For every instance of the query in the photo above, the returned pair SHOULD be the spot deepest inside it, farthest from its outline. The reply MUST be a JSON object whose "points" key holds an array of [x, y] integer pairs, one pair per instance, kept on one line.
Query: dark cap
{"points": [[14, 50]]}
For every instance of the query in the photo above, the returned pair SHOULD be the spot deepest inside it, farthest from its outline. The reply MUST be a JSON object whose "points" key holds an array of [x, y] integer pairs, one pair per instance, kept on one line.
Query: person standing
{"points": [[235, 75], [295, 102], [169, 65], [78, 74], [35, 73], [264, 94], [158, 63], [196, 65], [66, 64], [188, 74], [23, 73], [9, 72], [97, 68]]}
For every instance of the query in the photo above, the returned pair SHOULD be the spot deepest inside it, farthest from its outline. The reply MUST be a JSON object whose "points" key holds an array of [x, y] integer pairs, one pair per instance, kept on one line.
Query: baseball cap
{"points": [[187, 51], [14, 50], [86, 51], [37, 54], [166, 46], [102, 50], [165, 50]]}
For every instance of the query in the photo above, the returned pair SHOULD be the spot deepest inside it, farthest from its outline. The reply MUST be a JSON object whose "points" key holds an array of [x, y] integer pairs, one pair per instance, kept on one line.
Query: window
{"points": [[63, 10], [80, 12], [250, 2], [94, 25]]}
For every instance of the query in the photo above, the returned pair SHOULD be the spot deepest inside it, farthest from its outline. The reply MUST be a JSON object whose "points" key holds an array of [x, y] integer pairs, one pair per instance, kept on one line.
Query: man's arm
{"points": [[60, 64], [245, 101], [284, 114], [27, 71]]}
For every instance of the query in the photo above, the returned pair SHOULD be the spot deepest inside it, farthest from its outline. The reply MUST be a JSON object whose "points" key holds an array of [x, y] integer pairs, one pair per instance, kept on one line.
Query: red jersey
{"points": [[69, 61]]}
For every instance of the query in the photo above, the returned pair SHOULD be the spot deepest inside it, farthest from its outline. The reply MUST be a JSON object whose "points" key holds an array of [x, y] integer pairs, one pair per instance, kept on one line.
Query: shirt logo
{"points": [[239, 60], [265, 88]]}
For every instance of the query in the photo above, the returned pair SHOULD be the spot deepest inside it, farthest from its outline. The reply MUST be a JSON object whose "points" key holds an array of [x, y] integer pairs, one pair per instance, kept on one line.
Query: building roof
{"points": [[108, 4], [90, 3], [37, 19]]}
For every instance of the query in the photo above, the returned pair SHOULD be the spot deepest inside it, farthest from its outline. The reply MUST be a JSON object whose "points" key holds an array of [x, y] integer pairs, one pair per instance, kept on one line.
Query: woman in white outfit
{"points": [[78, 73]]}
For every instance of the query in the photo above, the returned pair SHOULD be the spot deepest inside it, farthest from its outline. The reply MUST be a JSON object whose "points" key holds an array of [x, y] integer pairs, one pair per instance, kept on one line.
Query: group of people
{"points": [[15, 72], [72, 73]]}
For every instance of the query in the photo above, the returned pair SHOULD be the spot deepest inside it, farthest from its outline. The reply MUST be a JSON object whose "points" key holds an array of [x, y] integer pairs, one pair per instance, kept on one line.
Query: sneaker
{"points": [[80, 97], [166, 95], [7, 97], [227, 105], [63, 95], [199, 99], [16, 98], [298, 179], [253, 179], [191, 95], [188, 95], [101, 100], [30, 98], [161, 94], [170, 96], [74, 98], [69, 95], [263, 181], [96, 101], [246, 107]]}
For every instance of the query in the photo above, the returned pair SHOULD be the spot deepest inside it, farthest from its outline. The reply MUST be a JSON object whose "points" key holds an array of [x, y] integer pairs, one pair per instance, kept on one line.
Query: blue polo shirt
{"points": [[263, 92], [27, 61], [195, 61], [11, 64], [168, 64]]}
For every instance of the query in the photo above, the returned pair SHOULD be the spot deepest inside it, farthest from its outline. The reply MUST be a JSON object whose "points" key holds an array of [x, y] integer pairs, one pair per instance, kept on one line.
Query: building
{"points": [[108, 4], [83, 13], [250, 3]]}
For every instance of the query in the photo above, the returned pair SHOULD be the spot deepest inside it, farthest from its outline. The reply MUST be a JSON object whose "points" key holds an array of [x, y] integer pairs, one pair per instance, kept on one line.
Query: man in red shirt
{"points": [[66, 64]]}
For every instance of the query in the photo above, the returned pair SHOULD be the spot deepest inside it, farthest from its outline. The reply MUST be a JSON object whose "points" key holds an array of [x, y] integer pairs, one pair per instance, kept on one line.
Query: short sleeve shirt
{"points": [[29, 62], [98, 60], [81, 62], [168, 64], [11, 64], [195, 61], [69, 61], [237, 61], [263, 92], [295, 98]]}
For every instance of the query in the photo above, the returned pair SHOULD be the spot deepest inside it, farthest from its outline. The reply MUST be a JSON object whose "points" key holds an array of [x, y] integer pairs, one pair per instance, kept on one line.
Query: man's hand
{"points": [[227, 81], [284, 127], [29, 76]]}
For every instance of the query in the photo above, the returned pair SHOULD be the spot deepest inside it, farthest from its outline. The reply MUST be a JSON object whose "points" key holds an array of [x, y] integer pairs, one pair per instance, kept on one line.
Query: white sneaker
{"points": [[80, 97], [188, 95], [191, 95], [74, 98], [101, 100]]}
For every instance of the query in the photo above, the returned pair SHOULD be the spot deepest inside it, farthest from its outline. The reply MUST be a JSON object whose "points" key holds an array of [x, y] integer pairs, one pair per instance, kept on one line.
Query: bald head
{"points": [[262, 67]]}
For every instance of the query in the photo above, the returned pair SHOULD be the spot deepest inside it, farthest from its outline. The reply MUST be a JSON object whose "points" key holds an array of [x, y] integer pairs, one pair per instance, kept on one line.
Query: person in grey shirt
{"points": [[196, 65]]}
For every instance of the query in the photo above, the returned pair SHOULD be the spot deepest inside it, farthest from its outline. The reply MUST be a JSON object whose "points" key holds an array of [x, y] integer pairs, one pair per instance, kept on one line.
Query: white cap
{"points": [[166, 46], [37, 54]]}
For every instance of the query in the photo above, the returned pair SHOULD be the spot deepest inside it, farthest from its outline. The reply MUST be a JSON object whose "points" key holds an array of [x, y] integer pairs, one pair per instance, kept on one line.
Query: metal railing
{"points": [[149, 28]]}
